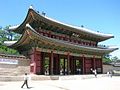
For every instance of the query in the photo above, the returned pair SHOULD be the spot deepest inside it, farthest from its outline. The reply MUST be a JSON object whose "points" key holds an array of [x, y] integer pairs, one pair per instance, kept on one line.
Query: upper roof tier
{"points": [[32, 15]]}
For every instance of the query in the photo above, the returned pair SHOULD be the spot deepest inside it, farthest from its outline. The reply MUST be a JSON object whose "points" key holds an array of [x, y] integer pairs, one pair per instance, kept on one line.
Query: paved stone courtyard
{"points": [[100, 83]]}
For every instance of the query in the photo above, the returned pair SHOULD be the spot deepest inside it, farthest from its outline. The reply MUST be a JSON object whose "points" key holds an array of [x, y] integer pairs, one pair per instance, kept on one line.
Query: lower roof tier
{"points": [[30, 38]]}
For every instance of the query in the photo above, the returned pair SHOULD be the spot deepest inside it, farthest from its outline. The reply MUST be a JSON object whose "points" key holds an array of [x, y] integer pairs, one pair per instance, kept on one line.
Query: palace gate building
{"points": [[59, 48]]}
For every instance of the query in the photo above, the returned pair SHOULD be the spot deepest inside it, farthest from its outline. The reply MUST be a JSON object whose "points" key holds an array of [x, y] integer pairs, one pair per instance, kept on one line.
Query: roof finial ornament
{"points": [[31, 7], [37, 11], [82, 26], [43, 13]]}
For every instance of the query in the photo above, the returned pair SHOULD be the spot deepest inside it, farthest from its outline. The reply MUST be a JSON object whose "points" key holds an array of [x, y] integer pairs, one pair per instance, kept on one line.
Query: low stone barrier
{"points": [[34, 78], [116, 72], [53, 77], [11, 78]]}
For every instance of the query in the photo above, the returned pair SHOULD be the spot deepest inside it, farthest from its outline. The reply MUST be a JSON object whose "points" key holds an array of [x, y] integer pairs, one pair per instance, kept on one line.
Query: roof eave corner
{"points": [[9, 43], [13, 28], [108, 37], [111, 36], [31, 7], [114, 48]]}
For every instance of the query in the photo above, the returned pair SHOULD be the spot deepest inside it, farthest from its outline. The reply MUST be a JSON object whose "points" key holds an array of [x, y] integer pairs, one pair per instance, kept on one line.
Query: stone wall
{"points": [[14, 69], [107, 68]]}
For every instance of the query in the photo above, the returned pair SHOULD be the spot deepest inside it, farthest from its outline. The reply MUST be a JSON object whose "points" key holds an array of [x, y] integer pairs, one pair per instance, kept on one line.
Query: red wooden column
{"points": [[79, 67], [42, 63], [74, 65], [94, 63], [101, 66], [71, 65], [51, 63], [68, 63], [83, 64], [32, 63], [64, 68], [36, 62], [56, 64]]}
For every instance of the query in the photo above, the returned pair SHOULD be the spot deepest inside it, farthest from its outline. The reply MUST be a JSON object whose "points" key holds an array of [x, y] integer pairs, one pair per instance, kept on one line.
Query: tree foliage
{"points": [[7, 35], [2, 35], [115, 58], [106, 60], [5, 50]]}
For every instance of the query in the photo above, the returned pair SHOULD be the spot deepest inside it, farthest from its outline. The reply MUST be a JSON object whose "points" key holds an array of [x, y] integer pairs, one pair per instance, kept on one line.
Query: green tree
{"points": [[3, 35], [16, 37], [106, 59], [5, 50], [7, 35], [115, 58]]}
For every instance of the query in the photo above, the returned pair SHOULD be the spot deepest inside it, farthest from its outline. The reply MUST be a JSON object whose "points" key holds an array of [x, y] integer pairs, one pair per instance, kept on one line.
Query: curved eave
{"points": [[32, 14], [20, 28], [25, 39], [9, 43]]}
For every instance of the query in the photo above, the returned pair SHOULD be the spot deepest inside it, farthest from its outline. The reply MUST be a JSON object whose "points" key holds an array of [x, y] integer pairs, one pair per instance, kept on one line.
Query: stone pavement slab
{"points": [[102, 83]]}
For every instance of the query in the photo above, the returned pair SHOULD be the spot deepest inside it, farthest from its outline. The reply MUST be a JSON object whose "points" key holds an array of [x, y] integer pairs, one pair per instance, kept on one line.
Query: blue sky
{"points": [[97, 15]]}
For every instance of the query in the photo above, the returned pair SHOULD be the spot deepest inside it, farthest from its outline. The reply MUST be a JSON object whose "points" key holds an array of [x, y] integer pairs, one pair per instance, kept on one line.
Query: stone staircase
{"points": [[13, 73], [7, 72]]}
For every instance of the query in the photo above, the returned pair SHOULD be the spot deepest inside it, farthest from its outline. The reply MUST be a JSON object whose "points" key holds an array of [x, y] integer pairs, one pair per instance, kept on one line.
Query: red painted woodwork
{"points": [[64, 67], [56, 64], [36, 62], [68, 64], [83, 64], [51, 63], [88, 65], [65, 38], [72, 65], [99, 65], [94, 63]]}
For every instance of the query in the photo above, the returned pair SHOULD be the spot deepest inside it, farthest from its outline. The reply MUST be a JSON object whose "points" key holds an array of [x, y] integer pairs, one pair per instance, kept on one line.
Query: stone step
{"points": [[44, 77], [33, 77], [20, 70]]}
